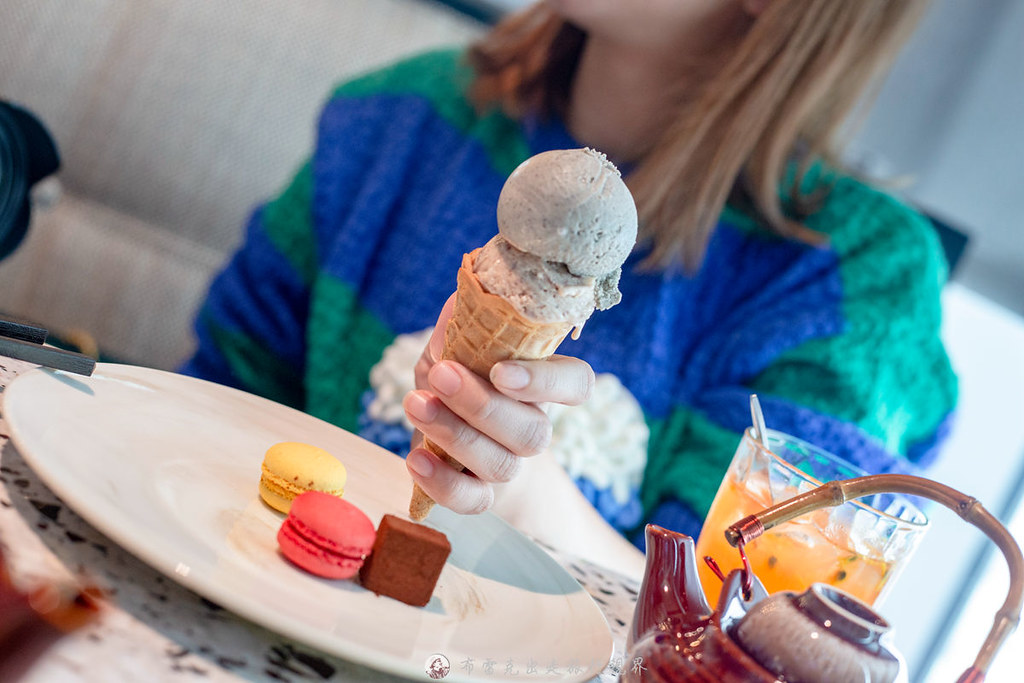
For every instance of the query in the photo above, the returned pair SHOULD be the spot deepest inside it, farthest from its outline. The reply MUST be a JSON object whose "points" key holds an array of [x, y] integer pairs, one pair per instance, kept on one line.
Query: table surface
{"points": [[153, 629]]}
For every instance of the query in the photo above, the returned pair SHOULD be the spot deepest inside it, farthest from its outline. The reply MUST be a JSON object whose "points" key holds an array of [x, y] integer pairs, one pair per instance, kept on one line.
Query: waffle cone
{"points": [[485, 329]]}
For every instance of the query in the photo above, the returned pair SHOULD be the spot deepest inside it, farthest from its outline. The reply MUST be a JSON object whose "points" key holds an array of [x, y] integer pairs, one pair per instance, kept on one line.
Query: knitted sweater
{"points": [[841, 343]]}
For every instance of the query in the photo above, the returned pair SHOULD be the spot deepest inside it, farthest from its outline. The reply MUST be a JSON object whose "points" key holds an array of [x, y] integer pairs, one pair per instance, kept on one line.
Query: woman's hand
{"points": [[488, 426]]}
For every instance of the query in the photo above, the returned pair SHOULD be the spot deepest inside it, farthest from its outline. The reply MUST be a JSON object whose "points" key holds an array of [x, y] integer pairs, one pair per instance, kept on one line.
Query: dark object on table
{"points": [[24, 341], [406, 561], [32, 621], [484, 11], [953, 240], [27, 155], [22, 331]]}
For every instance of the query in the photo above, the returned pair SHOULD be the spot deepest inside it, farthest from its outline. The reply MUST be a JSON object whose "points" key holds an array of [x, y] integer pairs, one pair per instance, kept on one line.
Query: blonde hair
{"points": [[782, 95]]}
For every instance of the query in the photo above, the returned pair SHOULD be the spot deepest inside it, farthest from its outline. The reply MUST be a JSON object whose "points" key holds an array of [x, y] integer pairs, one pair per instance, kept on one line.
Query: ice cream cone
{"points": [[485, 329]]}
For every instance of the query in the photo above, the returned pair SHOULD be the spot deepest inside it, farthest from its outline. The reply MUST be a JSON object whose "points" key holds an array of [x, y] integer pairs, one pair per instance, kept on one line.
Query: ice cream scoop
{"points": [[566, 223], [569, 206], [539, 289]]}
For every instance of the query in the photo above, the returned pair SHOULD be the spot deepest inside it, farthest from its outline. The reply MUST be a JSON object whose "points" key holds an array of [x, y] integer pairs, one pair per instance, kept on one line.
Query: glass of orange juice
{"points": [[859, 546]]}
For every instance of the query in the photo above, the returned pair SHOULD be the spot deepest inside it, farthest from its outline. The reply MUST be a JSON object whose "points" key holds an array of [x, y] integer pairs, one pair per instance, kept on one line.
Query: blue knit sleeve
{"points": [[250, 329]]}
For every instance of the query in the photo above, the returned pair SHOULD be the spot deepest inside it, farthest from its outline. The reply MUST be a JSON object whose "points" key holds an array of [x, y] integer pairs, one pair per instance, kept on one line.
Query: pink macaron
{"points": [[326, 535]]}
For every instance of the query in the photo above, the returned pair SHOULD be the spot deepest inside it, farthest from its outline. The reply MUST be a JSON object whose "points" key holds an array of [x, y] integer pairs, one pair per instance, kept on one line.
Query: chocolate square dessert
{"points": [[406, 561]]}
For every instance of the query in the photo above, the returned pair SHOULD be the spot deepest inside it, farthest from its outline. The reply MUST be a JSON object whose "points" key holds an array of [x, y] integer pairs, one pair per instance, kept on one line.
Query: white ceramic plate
{"points": [[168, 466]]}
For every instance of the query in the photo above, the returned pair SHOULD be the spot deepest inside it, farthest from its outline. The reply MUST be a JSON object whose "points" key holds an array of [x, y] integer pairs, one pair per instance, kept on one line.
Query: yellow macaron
{"points": [[291, 468]]}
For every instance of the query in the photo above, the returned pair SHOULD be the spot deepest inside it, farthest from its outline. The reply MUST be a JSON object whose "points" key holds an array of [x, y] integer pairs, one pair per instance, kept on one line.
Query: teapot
{"points": [[822, 634]]}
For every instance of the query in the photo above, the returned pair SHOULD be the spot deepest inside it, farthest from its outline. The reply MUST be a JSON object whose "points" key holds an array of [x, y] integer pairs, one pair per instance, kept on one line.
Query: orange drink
{"points": [[857, 547]]}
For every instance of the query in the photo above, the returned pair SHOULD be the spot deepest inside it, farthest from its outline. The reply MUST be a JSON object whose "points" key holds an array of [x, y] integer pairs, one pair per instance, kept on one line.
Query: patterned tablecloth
{"points": [[153, 629]]}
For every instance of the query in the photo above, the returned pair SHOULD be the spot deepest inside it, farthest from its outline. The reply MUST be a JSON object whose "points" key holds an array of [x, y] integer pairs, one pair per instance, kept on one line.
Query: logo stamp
{"points": [[437, 666]]}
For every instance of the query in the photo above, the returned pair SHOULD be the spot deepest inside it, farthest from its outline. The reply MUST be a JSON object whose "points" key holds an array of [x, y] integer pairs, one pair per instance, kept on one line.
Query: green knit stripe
{"points": [[345, 342], [257, 368], [289, 226], [887, 371], [686, 458], [441, 77]]}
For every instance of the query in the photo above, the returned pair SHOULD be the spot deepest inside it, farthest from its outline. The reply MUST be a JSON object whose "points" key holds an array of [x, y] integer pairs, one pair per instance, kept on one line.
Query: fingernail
{"points": [[420, 463], [435, 347], [510, 375], [444, 379], [420, 407]]}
